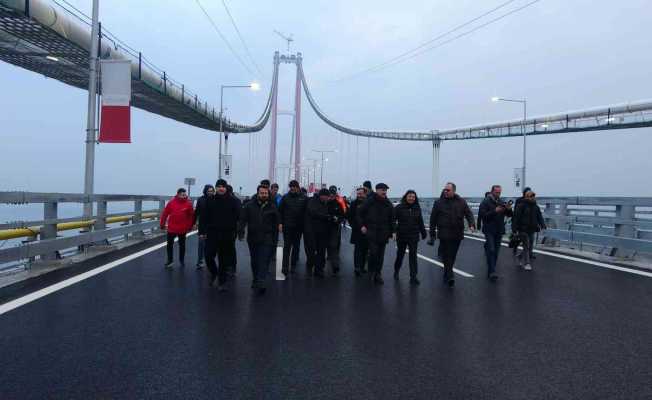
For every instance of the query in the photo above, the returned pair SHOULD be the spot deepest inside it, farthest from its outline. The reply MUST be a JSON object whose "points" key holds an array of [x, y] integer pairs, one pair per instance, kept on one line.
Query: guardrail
{"points": [[42, 239], [615, 226]]}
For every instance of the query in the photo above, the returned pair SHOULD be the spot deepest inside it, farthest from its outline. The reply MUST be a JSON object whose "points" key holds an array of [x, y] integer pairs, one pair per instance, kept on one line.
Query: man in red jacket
{"points": [[179, 215]]}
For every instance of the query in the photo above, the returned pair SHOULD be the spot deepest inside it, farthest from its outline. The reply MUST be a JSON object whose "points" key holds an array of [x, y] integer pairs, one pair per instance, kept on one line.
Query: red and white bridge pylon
{"points": [[296, 138]]}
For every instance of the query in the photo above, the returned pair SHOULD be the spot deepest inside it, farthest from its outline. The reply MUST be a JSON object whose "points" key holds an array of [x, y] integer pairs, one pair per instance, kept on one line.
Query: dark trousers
{"points": [[320, 241], [400, 253], [376, 256], [309, 247], [360, 253], [333, 248], [201, 245], [291, 248], [231, 256], [261, 256], [449, 250], [219, 246], [491, 250], [182, 246]]}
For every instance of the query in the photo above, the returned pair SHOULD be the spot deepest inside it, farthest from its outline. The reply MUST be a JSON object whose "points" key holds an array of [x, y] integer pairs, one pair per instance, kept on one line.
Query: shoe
{"points": [[214, 283], [169, 264], [378, 280], [451, 283], [532, 256], [365, 271], [200, 266], [357, 273], [182, 263], [253, 285], [396, 274], [527, 267], [319, 274], [221, 288], [414, 281], [336, 271], [493, 277], [293, 269], [261, 291], [285, 272]]}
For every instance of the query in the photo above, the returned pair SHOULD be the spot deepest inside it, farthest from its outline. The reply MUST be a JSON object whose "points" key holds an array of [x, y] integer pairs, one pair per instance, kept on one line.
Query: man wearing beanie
{"points": [[375, 218], [218, 227], [292, 209], [318, 225]]}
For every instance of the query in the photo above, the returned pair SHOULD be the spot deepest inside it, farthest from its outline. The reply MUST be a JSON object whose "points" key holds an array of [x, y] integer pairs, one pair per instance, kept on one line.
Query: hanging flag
{"points": [[115, 124]]}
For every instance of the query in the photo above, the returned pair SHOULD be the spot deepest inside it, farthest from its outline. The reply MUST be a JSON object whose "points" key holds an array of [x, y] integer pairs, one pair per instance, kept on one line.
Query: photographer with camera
{"points": [[526, 222], [493, 211]]}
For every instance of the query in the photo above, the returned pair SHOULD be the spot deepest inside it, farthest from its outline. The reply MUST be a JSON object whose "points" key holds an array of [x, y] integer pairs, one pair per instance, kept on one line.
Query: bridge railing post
{"points": [[49, 229], [138, 217], [161, 206], [627, 229], [100, 221]]}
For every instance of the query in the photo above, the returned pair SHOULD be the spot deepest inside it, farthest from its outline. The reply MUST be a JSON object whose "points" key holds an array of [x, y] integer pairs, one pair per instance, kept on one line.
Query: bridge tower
{"points": [[296, 139]]}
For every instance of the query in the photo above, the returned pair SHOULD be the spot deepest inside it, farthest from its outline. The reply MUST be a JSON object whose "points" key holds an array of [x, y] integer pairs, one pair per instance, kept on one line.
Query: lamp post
{"points": [[254, 86], [321, 174], [524, 103]]}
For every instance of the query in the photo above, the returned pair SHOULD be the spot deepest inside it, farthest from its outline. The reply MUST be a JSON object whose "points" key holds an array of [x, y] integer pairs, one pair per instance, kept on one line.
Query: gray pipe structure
{"points": [[73, 34]]}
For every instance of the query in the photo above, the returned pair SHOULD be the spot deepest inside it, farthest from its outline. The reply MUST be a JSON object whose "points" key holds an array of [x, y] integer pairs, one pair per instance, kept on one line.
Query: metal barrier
{"points": [[42, 240], [616, 226]]}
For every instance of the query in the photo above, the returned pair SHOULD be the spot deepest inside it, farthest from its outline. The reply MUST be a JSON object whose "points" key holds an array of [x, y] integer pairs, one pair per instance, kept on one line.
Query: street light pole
{"points": [[321, 177], [89, 167], [524, 103], [253, 86]]}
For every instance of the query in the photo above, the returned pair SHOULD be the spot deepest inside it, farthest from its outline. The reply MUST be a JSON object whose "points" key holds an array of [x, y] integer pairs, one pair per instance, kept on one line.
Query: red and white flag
{"points": [[115, 124]]}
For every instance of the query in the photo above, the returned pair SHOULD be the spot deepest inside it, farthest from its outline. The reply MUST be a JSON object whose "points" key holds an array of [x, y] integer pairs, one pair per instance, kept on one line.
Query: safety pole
{"points": [[89, 167]]}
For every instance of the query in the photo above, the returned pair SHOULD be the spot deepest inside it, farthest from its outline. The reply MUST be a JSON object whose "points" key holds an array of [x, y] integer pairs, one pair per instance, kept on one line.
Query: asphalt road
{"points": [[566, 330]]}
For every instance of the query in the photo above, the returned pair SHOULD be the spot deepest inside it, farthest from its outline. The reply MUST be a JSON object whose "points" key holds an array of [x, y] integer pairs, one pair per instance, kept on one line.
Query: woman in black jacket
{"points": [[409, 225]]}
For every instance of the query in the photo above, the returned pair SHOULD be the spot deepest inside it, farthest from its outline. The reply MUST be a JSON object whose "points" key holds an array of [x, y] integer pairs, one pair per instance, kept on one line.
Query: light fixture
{"points": [[495, 99], [544, 125], [52, 58], [255, 86]]}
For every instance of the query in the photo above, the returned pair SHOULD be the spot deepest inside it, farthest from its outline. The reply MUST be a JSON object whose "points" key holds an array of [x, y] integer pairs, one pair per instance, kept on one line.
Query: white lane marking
{"points": [[580, 260], [19, 302], [279, 264], [421, 256]]}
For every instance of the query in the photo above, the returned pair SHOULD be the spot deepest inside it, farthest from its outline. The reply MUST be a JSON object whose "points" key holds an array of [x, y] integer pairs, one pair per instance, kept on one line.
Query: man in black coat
{"points": [[318, 223], [293, 213], [526, 222], [377, 223], [209, 191], [336, 208], [358, 240], [493, 211], [217, 225], [261, 219], [447, 224]]}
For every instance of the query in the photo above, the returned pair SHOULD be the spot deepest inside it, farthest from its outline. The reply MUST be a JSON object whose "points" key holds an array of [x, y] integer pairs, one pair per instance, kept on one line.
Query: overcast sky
{"points": [[561, 55]]}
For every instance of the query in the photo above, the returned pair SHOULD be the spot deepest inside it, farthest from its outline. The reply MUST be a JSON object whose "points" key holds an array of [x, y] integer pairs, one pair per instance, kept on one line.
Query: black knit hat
{"points": [[381, 186], [293, 183], [324, 192], [220, 182]]}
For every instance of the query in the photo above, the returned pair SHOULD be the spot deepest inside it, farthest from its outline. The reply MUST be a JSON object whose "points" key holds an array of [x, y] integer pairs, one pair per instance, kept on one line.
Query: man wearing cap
{"points": [[318, 225], [376, 222], [336, 208], [218, 226], [293, 211]]}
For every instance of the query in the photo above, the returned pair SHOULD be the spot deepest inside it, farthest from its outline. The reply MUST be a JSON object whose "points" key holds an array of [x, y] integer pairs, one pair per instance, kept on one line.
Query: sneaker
{"points": [[527, 267], [169, 264], [357, 272], [378, 280], [451, 283], [414, 281], [493, 277], [396, 274]]}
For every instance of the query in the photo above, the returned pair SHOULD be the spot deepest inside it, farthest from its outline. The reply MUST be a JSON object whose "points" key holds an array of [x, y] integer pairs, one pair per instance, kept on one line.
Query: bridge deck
{"points": [[565, 330]]}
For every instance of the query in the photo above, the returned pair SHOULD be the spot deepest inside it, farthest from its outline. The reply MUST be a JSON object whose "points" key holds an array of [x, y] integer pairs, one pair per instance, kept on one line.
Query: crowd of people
{"points": [[222, 218]]}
